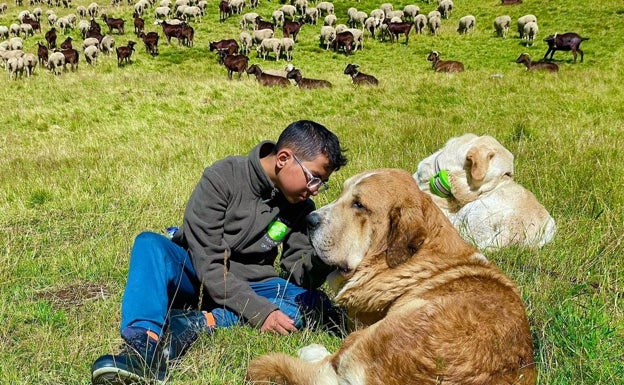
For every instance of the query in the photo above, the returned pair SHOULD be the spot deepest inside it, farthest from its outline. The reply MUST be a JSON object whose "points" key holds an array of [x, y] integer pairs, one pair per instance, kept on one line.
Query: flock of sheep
{"points": [[257, 32]]}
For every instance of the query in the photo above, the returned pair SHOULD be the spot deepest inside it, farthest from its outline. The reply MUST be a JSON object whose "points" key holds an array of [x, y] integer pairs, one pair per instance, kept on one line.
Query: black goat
{"points": [[124, 53], [42, 54], [569, 41], [50, 37], [67, 43], [359, 77]]}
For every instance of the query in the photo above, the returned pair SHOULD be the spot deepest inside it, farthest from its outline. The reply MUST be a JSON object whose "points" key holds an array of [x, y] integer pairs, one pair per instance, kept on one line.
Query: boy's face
{"points": [[299, 179]]}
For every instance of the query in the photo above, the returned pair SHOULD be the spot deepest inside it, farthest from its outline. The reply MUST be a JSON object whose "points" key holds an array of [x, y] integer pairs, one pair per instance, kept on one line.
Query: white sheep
{"points": [[23, 15], [420, 23], [91, 53], [56, 62], [260, 34], [82, 11], [386, 8], [179, 11], [192, 12], [327, 36], [278, 18], [90, 41], [16, 43], [4, 32], [63, 23], [396, 14], [6, 55], [15, 66], [245, 42], [341, 28], [396, 19], [83, 27], [237, 6], [26, 30], [14, 29], [410, 11], [301, 6], [248, 19], [52, 19], [530, 32], [501, 25], [358, 38], [359, 19], [312, 14], [371, 24], [30, 62], [202, 5], [93, 9], [522, 21], [445, 8], [107, 44], [269, 45], [330, 20], [325, 7], [434, 13], [36, 13], [351, 15], [165, 3], [466, 24], [288, 46], [289, 10], [378, 14], [434, 24], [162, 12]]}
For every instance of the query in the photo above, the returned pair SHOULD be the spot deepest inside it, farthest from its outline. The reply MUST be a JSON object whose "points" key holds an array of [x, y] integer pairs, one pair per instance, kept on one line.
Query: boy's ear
{"points": [[282, 157]]}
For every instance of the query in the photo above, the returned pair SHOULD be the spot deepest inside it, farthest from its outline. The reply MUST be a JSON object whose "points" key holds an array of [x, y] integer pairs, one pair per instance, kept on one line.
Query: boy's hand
{"points": [[278, 323]]}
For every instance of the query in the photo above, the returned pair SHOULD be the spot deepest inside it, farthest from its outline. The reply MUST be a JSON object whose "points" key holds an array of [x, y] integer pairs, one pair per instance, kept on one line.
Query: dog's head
{"points": [[379, 222]]}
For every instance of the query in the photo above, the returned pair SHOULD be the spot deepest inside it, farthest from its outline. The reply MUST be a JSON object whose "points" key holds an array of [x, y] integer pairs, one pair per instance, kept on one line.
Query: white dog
{"points": [[471, 180]]}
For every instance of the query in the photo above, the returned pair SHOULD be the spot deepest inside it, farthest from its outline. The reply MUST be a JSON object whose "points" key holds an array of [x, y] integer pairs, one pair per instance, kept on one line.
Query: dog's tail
{"points": [[281, 369]]}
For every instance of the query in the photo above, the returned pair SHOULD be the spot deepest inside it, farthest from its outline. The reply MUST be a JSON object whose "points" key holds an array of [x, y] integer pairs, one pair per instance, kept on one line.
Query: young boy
{"points": [[238, 214]]}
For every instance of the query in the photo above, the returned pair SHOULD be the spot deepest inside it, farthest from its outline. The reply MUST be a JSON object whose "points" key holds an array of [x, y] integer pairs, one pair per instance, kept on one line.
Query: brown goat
{"points": [[124, 53], [343, 40], [71, 57], [151, 42], [305, 83], [536, 66], [233, 63], [229, 45], [263, 24], [569, 41], [292, 28], [359, 77], [139, 25], [67, 43], [225, 10], [395, 29], [444, 65], [50, 37], [170, 30], [42, 54], [187, 35], [114, 23], [267, 79]]}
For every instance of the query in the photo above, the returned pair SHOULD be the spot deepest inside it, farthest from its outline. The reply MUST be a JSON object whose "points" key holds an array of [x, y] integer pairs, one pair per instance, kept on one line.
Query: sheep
{"points": [[6, 55], [124, 53], [341, 28], [327, 36], [37, 12], [114, 23], [569, 41], [237, 6], [30, 62], [248, 19], [288, 10], [151, 42], [434, 24], [261, 34], [444, 66], [90, 41], [397, 15], [312, 15], [165, 3], [63, 23], [270, 45], [358, 38], [410, 11], [378, 14], [522, 21], [202, 5], [371, 25], [14, 29], [56, 62], [445, 8], [351, 15], [3, 7], [22, 15], [530, 32], [162, 12], [525, 59], [254, 3], [343, 40], [36, 26], [278, 18], [358, 19], [301, 6], [358, 77], [420, 22], [42, 54], [91, 53], [193, 12], [107, 44], [292, 28], [245, 42], [140, 7], [325, 7], [15, 67], [305, 83], [466, 24], [434, 13], [82, 11], [4, 32], [395, 29], [233, 63], [83, 27], [279, 72], [501, 25], [26, 30], [52, 19], [288, 46], [228, 45], [266, 79], [330, 20], [16, 43], [93, 9], [386, 8]]}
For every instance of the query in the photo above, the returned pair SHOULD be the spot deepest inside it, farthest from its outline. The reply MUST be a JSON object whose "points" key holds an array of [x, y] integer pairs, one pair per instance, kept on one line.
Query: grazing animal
{"points": [[124, 53], [67, 43], [432, 308], [50, 37], [569, 41], [344, 40], [292, 28], [266, 79], [525, 59], [522, 21], [466, 24], [263, 24], [151, 42], [358, 77], [530, 32], [228, 45], [42, 54], [438, 65], [479, 194], [225, 10], [139, 25], [91, 53], [396, 29], [71, 57], [233, 63], [114, 23], [170, 30], [501, 25], [305, 83]]}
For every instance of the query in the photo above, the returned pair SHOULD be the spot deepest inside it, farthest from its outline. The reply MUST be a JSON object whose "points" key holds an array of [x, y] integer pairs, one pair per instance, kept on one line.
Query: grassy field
{"points": [[91, 158]]}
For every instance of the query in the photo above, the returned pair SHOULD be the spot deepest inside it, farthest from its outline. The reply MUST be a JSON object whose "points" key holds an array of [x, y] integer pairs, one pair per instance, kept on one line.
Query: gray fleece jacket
{"points": [[225, 232]]}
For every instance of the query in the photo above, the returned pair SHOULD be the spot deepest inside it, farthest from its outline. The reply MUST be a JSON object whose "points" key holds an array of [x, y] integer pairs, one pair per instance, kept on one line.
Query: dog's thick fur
{"points": [[438, 311], [488, 207]]}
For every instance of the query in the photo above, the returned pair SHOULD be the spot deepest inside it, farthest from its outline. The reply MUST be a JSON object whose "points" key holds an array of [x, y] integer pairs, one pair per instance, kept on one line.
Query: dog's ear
{"points": [[406, 234], [479, 158]]}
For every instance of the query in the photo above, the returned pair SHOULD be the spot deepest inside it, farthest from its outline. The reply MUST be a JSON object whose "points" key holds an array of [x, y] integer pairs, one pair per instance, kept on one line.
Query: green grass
{"points": [[89, 159]]}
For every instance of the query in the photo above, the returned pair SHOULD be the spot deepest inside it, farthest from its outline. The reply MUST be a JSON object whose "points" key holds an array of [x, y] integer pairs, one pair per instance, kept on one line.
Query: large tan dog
{"points": [[439, 312], [484, 203]]}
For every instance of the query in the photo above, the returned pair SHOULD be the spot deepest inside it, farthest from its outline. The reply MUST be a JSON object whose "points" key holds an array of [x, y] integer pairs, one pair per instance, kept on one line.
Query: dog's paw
{"points": [[313, 353]]}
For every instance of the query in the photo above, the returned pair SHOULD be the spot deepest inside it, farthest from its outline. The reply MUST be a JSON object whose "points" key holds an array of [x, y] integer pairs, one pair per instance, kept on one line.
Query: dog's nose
{"points": [[314, 220]]}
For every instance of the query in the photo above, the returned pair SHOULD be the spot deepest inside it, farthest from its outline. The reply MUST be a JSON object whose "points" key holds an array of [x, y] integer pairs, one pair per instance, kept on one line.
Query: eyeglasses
{"points": [[314, 183]]}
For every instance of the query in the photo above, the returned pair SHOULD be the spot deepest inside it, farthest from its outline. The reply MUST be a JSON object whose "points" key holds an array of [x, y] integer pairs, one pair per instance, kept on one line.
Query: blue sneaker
{"points": [[141, 361], [184, 328]]}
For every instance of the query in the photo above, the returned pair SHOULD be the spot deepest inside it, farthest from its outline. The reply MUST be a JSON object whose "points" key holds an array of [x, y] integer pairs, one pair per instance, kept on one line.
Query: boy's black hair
{"points": [[309, 139]]}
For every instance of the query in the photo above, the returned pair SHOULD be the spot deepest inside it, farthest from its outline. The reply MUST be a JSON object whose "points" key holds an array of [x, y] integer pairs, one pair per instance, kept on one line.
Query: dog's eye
{"points": [[358, 205]]}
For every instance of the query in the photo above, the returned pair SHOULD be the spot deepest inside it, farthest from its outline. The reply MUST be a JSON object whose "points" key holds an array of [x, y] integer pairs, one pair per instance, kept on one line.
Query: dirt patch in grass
{"points": [[74, 295]]}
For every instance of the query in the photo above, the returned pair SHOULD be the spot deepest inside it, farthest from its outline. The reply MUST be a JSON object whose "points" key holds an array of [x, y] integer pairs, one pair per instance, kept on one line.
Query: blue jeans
{"points": [[161, 277]]}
